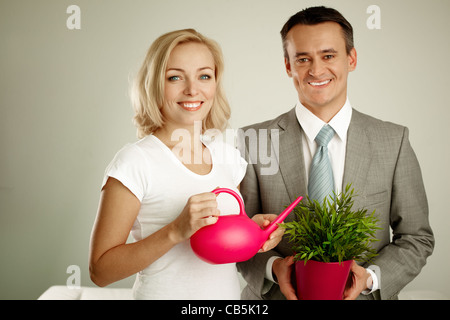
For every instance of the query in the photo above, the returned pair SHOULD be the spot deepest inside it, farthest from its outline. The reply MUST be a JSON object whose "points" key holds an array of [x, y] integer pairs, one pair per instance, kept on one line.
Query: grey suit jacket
{"points": [[381, 166]]}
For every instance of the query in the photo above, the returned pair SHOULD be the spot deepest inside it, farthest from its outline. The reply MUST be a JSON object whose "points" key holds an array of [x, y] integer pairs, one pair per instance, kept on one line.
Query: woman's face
{"points": [[190, 85]]}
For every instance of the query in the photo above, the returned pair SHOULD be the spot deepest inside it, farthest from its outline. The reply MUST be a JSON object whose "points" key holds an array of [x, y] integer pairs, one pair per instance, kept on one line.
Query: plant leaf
{"points": [[332, 231]]}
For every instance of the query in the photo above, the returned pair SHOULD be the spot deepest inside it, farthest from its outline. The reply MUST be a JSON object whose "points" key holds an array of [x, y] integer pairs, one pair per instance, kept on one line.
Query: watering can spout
{"points": [[271, 227]]}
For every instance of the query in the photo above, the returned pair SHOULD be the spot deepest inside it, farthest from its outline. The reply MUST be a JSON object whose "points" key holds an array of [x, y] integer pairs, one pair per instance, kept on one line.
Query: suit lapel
{"points": [[290, 155], [358, 155], [292, 164]]}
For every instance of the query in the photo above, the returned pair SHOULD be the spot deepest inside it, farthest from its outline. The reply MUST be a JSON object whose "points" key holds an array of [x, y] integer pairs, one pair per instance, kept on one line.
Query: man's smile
{"points": [[319, 83]]}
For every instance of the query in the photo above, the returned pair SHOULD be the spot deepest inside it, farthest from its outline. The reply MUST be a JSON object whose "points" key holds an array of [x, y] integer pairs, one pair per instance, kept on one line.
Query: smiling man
{"points": [[317, 61], [372, 155]]}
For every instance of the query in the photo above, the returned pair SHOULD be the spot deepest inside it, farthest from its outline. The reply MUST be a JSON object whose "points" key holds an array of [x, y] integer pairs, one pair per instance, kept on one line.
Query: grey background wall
{"points": [[65, 111]]}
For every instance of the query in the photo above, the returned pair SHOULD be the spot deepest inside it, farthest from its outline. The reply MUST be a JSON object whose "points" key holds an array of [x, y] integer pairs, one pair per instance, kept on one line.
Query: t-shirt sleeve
{"points": [[128, 166]]}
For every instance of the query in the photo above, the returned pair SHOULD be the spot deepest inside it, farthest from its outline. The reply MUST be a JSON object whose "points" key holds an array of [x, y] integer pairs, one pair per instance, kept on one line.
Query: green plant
{"points": [[332, 231]]}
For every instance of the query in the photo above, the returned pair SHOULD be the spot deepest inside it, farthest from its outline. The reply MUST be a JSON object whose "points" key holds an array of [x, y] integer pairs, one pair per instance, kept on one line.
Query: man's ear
{"points": [[352, 60], [288, 66]]}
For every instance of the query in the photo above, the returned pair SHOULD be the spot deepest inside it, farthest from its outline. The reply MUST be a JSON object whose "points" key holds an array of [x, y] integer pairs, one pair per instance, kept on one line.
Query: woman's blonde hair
{"points": [[147, 91]]}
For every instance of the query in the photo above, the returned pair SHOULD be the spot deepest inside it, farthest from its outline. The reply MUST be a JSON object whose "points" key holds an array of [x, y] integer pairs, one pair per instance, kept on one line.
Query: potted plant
{"points": [[326, 237]]}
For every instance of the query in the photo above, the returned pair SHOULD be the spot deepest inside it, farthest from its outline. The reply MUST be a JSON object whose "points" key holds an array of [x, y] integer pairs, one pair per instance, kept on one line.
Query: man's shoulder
{"points": [[360, 119], [275, 123], [371, 123]]}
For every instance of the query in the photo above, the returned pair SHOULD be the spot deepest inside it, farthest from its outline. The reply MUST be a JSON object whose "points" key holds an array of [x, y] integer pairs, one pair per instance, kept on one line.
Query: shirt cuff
{"points": [[269, 274], [375, 282]]}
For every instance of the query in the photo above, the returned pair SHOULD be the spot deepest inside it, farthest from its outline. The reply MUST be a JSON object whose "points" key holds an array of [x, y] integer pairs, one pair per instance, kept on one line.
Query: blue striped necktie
{"points": [[321, 182]]}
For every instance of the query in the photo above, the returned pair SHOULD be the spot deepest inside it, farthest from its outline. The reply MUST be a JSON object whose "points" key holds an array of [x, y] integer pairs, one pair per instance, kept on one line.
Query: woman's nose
{"points": [[191, 88]]}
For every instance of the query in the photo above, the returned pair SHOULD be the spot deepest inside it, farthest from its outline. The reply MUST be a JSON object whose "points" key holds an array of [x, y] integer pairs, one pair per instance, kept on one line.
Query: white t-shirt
{"points": [[152, 172]]}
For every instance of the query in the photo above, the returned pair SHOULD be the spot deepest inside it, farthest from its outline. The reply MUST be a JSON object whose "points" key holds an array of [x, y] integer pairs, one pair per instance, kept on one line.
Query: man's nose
{"points": [[316, 68]]}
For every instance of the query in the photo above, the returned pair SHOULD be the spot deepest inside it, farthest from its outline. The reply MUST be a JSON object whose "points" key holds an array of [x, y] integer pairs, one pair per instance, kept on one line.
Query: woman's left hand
{"points": [[263, 220]]}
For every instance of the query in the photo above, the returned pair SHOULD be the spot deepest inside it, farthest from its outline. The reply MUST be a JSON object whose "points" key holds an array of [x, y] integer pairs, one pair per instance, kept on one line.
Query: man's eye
{"points": [[302, 60], [328, 57]]}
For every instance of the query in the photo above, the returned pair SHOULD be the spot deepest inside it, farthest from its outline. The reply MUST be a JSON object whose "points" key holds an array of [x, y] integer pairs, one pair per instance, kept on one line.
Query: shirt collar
{"points": [[311, 124]]}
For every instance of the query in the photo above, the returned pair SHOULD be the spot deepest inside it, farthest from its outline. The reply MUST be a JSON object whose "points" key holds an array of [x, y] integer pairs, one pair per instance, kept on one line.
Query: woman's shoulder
{"points": [[219, 144], [137, 151], [224, 151]]}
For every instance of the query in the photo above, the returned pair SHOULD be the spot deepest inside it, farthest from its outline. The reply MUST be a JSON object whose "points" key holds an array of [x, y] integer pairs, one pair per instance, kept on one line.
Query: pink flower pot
{"points": [[320, 280]]}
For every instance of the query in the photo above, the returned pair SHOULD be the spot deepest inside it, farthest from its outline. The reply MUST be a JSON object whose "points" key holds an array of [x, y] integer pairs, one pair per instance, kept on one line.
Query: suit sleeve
{"points": [[253, 270], [413, 241]]}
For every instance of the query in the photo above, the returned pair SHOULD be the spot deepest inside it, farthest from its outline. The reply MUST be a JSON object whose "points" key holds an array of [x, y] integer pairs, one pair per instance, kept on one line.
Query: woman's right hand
{"points": [[200, 211]]}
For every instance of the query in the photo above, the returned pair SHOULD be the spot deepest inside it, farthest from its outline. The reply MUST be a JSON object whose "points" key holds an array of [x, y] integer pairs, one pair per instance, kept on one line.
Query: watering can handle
{"points": [[234, 194]]}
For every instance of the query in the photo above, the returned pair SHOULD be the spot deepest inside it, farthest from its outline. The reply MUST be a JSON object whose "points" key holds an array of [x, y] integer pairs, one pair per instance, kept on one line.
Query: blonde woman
{"points": [[159, 188]]}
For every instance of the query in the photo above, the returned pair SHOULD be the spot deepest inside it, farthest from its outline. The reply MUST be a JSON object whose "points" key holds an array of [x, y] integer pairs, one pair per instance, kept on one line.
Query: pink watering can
{"points": [[234, 238]]}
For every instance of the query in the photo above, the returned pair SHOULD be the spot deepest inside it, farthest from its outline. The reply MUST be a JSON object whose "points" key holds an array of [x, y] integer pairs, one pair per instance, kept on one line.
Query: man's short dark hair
{"points": [[316, 15]]}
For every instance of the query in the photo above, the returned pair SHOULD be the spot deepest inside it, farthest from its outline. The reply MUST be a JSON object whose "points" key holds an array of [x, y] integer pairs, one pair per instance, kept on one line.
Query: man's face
{"points": [[319, 65]]}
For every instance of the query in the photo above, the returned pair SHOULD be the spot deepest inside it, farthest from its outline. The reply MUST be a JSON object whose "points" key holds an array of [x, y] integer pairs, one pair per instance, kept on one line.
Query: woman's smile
{"points": [[191, 105]]}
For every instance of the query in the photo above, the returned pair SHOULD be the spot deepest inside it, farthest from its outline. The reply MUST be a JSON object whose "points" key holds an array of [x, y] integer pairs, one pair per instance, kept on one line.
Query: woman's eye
{"points": [[174, 78], [205, 77]]}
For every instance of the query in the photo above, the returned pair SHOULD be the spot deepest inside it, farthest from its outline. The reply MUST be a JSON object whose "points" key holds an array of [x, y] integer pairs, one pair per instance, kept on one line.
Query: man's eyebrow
{"points": [[329, 50], [298, 54]]}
